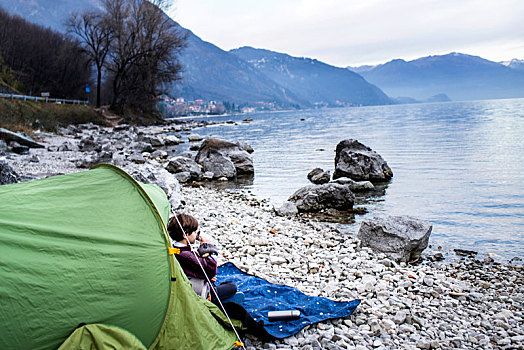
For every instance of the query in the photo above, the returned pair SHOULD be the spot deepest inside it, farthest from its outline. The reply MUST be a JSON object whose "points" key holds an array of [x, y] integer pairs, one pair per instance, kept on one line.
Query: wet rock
{"points": [[245, 146], [195, 138], [361, 186], [359, 162], [401, 238], [319, 176], [7, 174], [314, 198]]}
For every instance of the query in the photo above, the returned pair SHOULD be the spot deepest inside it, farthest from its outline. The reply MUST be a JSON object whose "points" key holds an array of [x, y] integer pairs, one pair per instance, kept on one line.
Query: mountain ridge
{"points": [[313, 80], [458, 75]]}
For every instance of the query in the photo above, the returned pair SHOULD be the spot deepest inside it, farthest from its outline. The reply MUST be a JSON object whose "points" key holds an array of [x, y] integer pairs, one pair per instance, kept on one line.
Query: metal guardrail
{"points": [[44, 99]]}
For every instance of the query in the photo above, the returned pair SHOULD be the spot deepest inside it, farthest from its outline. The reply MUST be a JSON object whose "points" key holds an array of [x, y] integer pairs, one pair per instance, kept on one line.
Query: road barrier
{"points": [[44, 99]]}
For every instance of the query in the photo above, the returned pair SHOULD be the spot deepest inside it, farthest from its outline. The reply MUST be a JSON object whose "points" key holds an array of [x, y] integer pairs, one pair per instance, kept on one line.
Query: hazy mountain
{"points": [[459, 76], [515, 64], [47, 13], [209, 72], [212, 73], [432, 99], [313, 80]]}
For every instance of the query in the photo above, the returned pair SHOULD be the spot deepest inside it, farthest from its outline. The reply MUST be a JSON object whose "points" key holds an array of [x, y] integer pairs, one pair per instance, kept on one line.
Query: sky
{"points": [[353, 33]]}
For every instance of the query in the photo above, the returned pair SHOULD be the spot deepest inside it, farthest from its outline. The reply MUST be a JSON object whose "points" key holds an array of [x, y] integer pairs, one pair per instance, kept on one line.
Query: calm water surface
{"points": [[458, 165]]}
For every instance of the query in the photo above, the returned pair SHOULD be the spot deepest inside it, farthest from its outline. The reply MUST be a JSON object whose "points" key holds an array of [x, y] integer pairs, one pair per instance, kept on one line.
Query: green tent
{"points": [[92, 248]]}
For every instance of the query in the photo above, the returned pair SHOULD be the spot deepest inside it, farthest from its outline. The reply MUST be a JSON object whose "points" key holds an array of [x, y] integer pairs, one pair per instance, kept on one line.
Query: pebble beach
{"points": [[463, 303]]}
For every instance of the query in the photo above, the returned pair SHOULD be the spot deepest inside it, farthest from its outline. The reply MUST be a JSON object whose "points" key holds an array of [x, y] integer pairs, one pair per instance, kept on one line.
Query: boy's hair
{"points": [[188, 222]]}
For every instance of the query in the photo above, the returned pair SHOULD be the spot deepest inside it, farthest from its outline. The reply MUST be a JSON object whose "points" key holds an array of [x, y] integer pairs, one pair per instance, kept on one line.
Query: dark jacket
{"points": [[189, 263]]}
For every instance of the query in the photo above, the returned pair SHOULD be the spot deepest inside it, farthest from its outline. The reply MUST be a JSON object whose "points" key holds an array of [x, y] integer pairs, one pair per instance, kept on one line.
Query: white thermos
{"points": [[285, 315]]}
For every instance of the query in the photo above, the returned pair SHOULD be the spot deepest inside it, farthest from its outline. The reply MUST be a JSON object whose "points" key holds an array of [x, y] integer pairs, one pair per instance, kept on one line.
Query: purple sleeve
{"points": [[189, 263]]}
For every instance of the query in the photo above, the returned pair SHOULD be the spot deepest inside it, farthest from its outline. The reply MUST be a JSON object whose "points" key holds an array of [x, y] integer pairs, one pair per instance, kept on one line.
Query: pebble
{"points": [[464, 303]]}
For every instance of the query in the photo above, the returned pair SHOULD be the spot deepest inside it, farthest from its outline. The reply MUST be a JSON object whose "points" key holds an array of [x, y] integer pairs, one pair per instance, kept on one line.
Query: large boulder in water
{"points": [[401, 238], [7, 174], [359, 162], [224, 159], [314, 198]]}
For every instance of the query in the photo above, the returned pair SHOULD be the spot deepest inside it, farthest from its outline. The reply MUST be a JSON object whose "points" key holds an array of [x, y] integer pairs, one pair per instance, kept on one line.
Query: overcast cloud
{"points": [[345, 32]]}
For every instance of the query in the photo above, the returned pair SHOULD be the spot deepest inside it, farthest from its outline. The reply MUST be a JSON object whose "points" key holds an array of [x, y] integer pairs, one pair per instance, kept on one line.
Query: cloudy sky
{"points": [[356, 32]]}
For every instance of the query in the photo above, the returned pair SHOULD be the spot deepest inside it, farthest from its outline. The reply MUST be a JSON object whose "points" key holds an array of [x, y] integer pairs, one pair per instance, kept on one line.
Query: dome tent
{"points": [[92, 248]]}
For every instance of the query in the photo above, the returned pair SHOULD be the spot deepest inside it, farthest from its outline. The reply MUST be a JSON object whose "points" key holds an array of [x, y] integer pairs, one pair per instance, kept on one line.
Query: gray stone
{"points": [[224, 159], [67, 146], [314, 198], [401, 238], [182, 164], [343, 181], [7, 174], [88, 160], [171, 140], [136, 158], [142, 147], [88, 144], [183, 176], [286, 209], [194, 138], [359, 162], [361, 186], [147, 173], [159, 153], [245, 146], [187, 154], [319, 176], [208, 175]]}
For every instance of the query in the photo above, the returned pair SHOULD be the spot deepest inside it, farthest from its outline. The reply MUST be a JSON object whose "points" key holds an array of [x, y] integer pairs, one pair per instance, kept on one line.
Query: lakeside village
{"points": [[179, 107]]}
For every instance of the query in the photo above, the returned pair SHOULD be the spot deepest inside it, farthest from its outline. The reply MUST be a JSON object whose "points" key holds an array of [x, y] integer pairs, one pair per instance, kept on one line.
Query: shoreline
{"points": [[462, 303]]}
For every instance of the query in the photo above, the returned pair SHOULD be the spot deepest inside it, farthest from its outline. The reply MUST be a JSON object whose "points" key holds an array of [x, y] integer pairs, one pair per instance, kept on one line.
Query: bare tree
{"points": [[95, 33], [143, 52]]}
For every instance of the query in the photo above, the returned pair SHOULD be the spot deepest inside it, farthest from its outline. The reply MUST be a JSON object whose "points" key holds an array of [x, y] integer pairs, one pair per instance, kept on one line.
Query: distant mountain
{"points": [[432, 99], [312, 80], [459, 76], [213, 74], [515, 64]]}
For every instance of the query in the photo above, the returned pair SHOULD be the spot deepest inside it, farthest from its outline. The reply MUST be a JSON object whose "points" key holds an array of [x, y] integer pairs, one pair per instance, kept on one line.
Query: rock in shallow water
{"points": [[314, 198], [359, 162]]}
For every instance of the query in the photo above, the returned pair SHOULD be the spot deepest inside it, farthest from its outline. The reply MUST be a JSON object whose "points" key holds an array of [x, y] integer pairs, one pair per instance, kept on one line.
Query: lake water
{"points": [[458, 165]]}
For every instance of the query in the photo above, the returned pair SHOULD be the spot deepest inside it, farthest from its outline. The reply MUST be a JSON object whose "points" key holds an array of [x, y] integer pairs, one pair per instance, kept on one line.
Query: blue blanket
{"points": [[262, 297]]}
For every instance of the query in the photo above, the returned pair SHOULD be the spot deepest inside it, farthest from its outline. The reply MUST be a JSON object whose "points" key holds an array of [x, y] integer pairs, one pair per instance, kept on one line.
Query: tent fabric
{"points": [[92, 248], [262, 296], [101, 337], [194, 322]]}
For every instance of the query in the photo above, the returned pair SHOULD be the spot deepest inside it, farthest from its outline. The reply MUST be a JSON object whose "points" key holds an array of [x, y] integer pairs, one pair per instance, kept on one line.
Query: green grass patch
{"points": [[26, 116]]}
